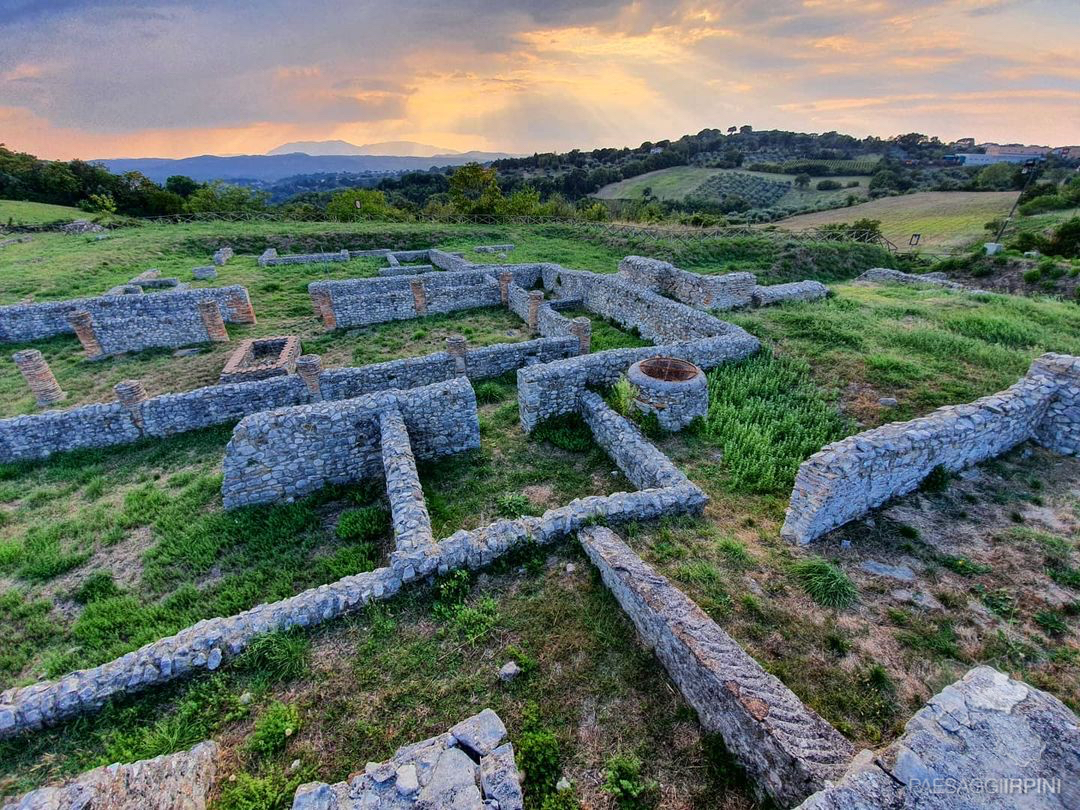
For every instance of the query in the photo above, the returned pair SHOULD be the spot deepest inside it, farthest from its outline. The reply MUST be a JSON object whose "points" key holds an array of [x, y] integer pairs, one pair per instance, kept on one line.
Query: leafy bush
{"points": [[1032, 275], [621, 397], [625, 784], [825, 583], [99, 585], [767, 416], [512, 505], [474, 621], [830, 185], [1049, 202], [273, 728], [271, 792], [364, 524], [488, 392], [278, 656], [1066, 240], [539, 758]]}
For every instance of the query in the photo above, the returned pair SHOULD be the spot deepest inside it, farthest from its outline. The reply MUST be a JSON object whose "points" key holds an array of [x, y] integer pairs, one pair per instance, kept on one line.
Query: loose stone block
{"points": [[39, 377], [204, 273], [784, 746], [213, 322], [675, 390]]}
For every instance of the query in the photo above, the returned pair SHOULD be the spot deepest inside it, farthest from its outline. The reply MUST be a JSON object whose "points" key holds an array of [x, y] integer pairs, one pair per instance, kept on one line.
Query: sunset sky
{"points": [[172, 78]]}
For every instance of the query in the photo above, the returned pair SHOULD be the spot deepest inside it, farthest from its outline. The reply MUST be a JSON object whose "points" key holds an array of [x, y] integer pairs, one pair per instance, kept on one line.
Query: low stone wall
{"points": [[986, 741], [128, 321], [795, 291], [409, 514], [289, 452], [728, 291], [270, 258], [848, 478], [447, 261], [405, 269], [556, 388], [884, 275], [631, 306], [180, 781], [787, 749], [506, 248], [205, 645], [469, 767]]}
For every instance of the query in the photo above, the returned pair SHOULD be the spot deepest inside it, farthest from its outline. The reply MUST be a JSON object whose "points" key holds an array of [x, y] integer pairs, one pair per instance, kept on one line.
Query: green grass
{"points": [[15, 212], [825, 583]]}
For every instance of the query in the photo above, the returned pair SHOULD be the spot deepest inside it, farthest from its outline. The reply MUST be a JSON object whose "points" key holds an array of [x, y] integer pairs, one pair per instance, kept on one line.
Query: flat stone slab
{"points": [[900, 572]]}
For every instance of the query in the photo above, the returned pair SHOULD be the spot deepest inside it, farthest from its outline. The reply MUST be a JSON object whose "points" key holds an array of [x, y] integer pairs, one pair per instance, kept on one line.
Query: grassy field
{"points": [[679, 182], [947, 220], [102, 551], [14, 212]]}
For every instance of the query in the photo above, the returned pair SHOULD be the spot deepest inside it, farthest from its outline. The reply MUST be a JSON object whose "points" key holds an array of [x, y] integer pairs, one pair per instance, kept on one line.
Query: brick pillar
{"points": [[581, 328], [536, 298], [83, 325], [211, 318], [505, 277], [456, 347], [324, 308], [39, 377], [239, 305], [419, 297], [309, 367], [131, 394]]}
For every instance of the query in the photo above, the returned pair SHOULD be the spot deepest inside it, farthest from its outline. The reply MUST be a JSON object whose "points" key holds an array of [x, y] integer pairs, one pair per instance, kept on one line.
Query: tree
{"points": [[221, 197], [474, 191], [802, 180], [357, 204], [997, 176], [182, 185]]}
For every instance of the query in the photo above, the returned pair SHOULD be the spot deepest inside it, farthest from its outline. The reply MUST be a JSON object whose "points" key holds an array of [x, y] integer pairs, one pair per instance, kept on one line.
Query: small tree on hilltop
{"points": [[474, 191]]}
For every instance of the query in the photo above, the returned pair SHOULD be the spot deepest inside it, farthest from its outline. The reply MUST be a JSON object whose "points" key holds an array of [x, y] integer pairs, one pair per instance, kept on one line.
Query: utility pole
{"points": [[1030, 170]]}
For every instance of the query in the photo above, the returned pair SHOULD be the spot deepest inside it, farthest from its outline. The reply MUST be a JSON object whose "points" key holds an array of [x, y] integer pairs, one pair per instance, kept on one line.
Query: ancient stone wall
{"points": [[986, 741], [786, 748], [270, 258], [128, 322], [180, 781], [555, 388], [850, 477], [289, 452], [728, 291], [795, 291]]}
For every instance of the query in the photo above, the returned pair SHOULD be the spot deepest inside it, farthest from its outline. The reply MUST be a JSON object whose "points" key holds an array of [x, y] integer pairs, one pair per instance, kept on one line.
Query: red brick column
{"points": [[39, 377], [419, 296], [581, 328], [83, 325], [505, 277], [211, 318], [536, 298], [131, 394], [308, 367], [239, 305], [456, 347], [324, 308]]}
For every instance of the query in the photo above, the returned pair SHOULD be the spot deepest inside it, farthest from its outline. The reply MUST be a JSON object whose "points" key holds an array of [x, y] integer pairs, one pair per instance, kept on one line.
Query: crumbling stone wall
{"points": [[128, 322], [470, 766], [555, 388], [270, 258], [885, 275], [848, 478], [986, 741], [795, 291], [289, 452], [786, 748], [180, 781], [728, 291]]}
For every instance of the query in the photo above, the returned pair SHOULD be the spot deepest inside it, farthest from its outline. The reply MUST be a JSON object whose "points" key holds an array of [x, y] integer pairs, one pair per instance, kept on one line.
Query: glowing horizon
{"points": [[177, 78]]}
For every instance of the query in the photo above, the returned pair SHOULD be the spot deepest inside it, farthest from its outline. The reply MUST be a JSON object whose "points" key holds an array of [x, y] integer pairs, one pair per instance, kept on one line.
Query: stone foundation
{"points": [[261, 359], [675, 390], [721, 292], [270, 258], [787, 749], [848, 478]]}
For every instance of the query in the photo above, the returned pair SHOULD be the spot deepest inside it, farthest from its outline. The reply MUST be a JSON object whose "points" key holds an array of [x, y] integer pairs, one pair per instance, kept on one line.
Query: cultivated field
{"points": [[947, 220], [102, 551]]}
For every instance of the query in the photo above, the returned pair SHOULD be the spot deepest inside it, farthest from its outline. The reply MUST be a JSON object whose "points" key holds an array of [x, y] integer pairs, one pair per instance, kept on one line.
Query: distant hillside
{"points": [[396, 148], [275, 167]]}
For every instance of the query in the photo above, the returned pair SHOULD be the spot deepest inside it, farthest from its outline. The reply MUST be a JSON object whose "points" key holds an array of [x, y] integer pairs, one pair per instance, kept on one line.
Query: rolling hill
{"points": [[397, 148]]}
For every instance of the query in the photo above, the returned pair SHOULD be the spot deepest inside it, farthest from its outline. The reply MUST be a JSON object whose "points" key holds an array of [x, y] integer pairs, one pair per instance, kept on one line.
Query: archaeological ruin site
{"points": [[304, 426]]}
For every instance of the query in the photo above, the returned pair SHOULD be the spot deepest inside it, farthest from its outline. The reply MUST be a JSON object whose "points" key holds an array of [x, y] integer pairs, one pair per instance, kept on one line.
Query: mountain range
{"points": [[268, 168], [396, 148]]}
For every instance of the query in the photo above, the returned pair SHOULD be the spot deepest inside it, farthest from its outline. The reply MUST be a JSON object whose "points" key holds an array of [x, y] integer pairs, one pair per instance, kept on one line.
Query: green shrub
{"points": [[278, 656], [271, 792], [512, 505], [937, 480], [625, 784], [567, 432], [364, 524], [489, 392], [273, 728], [1032, 275], [621, 397], [538, 757], [1051, 622], [99, 585], [830, 185], [562, 800], [767, 416], [825, 583], [965, 567]]}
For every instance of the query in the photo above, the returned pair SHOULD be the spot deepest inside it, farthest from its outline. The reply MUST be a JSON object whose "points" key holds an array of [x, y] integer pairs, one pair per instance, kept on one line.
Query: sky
{"points": [[174, 78]]}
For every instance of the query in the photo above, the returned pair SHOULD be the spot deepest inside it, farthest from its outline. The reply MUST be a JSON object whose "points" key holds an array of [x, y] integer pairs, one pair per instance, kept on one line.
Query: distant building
{"points": [[968, 143], [1016, 150], [656, 150], [976, 159]]}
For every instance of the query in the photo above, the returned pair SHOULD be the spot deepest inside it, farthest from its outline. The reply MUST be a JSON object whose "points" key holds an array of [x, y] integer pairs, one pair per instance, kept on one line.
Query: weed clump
{"points": [[624, 782], [273, 729], [825, 583]]}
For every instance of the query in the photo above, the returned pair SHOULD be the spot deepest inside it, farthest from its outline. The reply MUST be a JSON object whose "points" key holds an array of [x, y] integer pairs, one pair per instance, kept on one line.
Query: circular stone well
{"points": [[675, 390]]}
